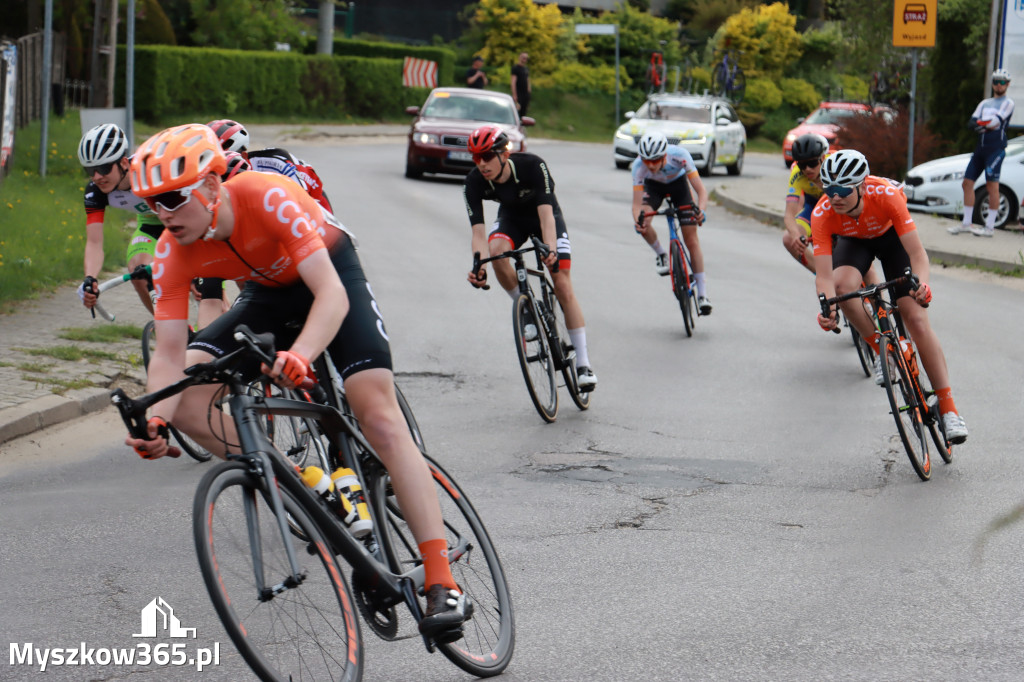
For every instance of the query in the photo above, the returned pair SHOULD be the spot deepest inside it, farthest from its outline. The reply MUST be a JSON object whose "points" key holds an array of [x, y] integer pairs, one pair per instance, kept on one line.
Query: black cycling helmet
{"points": [[809, 146]]}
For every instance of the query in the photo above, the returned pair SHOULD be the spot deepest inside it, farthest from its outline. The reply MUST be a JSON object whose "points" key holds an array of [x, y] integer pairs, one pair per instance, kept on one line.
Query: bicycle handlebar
{"points": [[540, 247], [687, 214], [221, 370], [141, 272], [870, 290]]}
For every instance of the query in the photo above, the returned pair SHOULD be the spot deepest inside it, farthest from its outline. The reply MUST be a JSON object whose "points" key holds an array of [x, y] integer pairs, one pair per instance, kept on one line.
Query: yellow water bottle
{"points": [[355, 515]]}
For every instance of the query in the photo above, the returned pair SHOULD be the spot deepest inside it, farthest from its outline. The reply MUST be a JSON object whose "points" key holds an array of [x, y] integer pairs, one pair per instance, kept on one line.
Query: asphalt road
{"points": [[734, 506]]}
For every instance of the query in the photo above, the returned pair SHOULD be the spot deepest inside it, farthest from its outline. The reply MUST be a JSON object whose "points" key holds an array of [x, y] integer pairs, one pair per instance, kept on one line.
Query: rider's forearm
{"points": [[93, 261]]}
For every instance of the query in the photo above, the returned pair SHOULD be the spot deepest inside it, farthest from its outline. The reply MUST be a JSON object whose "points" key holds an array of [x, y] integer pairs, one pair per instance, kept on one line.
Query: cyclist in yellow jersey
{"points": [[803, 194]]}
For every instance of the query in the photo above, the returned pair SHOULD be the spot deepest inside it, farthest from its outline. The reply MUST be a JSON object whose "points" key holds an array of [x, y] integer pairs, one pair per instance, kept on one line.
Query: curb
{"points": [[938, 256], [50, 410]]}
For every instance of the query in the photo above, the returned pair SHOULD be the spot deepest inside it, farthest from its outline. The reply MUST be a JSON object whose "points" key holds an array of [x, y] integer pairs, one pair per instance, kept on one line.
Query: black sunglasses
{"points": [[484, 157], [811, 163], [834, 191], [102, 169]]}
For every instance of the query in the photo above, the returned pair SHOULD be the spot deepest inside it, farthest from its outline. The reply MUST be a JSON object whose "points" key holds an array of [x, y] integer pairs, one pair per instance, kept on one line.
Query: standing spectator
{"points": [[475, 76], [520, 84], [989, 120]]}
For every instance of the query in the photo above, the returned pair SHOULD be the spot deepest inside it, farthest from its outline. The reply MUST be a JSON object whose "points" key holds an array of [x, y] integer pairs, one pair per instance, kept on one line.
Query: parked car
{"points": [[441, 128], [705, 126], [937, 186], [826, 120]]}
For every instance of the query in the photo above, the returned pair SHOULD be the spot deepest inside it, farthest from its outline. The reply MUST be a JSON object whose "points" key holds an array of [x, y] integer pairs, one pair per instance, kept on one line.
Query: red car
{"points": [[825, 120], [437, 139]]}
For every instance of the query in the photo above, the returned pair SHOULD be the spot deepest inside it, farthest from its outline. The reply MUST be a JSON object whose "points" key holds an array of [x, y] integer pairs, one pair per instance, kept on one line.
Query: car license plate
{"points": [[460, 156]]}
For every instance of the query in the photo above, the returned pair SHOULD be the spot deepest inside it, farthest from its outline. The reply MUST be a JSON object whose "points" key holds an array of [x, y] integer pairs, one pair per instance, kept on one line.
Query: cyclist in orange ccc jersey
{"points": [[869, 216], [300, 268]]}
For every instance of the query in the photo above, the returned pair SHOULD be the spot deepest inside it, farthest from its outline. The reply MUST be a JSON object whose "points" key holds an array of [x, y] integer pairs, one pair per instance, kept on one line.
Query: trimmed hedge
{"points": [[171, 80], [344, 47]]}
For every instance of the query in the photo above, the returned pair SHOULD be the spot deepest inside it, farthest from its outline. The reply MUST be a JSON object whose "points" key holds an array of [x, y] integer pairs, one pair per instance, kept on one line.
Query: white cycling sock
{"points": [[513, 293], [990, 219], [579, 342], [968, 216], [658, 248], [702, 287]]}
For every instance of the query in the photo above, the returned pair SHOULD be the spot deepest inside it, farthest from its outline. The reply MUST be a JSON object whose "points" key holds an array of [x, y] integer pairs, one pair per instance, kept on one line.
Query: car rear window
{"points": [[469, 108], [831, 115], [668, 112]]}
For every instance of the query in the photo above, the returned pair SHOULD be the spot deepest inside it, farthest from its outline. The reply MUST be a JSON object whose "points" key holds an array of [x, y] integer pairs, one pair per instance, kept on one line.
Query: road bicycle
{"points": [[684, 285], [656, 72], [727, 79], [547, 351], [913, 405], [271, 550], [144, 272]]}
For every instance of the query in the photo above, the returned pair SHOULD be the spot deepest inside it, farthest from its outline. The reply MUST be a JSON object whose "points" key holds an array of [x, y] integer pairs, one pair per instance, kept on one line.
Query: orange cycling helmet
{"points": [[176, 158], [486, 139]]}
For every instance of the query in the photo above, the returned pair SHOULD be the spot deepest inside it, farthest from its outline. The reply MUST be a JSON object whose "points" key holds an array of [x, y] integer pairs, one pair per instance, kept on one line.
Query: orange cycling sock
{"points": [[435, 563], [873, 342], [945, 396]]}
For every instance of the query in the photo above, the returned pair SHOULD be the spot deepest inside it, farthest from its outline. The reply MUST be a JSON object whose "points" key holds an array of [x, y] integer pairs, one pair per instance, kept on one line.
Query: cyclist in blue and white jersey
{"points": [[103, 153], [662, 169], [990, 120]]}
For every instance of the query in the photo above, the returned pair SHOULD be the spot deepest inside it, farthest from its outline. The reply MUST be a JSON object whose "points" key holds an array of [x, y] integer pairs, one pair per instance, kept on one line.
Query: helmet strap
{"points": [[213, 207]]}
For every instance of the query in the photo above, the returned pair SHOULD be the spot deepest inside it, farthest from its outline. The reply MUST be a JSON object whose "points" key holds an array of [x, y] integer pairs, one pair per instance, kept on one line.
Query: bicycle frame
{"points": [[274, 469]]}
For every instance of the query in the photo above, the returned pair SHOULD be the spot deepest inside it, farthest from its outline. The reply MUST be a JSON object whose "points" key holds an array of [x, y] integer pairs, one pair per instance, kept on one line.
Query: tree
{"points": [[514, 26], [245, 24], [764, 38], [640, 34]]}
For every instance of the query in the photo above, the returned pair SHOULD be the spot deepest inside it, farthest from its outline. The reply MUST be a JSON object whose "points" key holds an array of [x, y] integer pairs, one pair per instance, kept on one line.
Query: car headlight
{"points": [[620, 135], [790, 138], [699, 139], [425, 138], [947, 177]]}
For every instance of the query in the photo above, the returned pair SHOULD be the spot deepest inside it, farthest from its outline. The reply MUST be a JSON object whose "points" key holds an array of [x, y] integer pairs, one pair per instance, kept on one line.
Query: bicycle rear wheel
{"points": [[572, 381], [865, 353], [739, 87], [535, 360], [285, 631], [191, 447], [681, 285], [906, 410], [489, 636], [719, 80]]}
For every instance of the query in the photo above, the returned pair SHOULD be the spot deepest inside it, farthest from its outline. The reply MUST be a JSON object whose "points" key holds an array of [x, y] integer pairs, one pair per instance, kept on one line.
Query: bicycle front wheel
{"points": [[719, 81], [283, 630], [489, 636], [906, 410], [535, 360], [681, 285]]}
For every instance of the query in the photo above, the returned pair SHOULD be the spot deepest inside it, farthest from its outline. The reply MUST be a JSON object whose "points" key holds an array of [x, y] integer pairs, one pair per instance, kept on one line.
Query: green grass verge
{"points": [[43, 237]]}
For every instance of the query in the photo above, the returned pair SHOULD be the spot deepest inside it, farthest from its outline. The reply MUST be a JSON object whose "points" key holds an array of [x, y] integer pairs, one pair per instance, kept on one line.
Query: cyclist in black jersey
{"points": [[525, 190]]}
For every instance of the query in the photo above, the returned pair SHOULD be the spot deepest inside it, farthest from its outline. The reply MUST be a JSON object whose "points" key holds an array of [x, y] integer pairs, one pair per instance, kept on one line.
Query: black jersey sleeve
{"points": [[473, 193], [539, 179]]}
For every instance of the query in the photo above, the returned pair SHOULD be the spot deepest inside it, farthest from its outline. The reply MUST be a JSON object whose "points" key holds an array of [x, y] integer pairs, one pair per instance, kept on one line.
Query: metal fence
{"points": [[30, 66]]}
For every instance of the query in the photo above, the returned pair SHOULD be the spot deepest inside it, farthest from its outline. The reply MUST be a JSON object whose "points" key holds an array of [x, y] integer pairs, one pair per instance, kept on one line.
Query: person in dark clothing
{"points": [[520, 84], [475, 76]]}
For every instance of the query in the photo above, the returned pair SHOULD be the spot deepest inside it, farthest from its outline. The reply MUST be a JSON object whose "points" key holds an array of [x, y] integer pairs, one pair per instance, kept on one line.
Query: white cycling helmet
{"points": [[105, 143], [652, 146], [845, 168], [1000, 75]]}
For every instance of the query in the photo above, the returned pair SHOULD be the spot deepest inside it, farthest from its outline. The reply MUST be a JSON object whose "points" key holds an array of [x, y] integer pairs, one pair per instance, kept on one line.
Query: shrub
{"points": [[701, 79], [780, 121], [766, 38], [800, 94], [576, 77], [762, 95], [854, 88], [885, 144]]}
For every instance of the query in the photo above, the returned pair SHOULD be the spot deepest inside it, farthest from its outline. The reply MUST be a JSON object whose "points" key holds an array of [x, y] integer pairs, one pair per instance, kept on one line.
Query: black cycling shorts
{"points": [[210, 287], [361, 343], [519, 227], [861, 252], [679, 189]]}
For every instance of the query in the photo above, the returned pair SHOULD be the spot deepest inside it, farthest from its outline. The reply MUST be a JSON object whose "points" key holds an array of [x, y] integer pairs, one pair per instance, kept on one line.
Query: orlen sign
{"points": [[913, 23]]}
